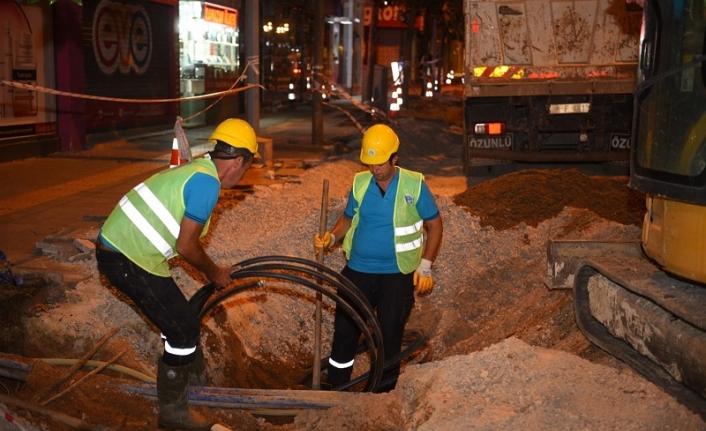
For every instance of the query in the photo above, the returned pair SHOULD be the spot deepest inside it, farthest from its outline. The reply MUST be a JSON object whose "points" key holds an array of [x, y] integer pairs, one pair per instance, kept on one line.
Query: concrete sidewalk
{"points": [[52, 198]]}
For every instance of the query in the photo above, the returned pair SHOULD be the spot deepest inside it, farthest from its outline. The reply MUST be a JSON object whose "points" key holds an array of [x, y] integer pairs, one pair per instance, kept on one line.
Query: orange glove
{"points": [[423, 280], [327, 241]]}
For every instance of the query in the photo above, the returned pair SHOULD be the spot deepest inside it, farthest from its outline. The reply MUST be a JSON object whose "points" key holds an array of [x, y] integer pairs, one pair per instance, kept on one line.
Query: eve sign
{"points": [[122, 37]]}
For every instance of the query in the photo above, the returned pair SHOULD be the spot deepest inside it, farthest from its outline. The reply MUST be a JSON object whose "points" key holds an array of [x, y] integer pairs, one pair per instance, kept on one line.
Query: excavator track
{"points": [[650, 320]]}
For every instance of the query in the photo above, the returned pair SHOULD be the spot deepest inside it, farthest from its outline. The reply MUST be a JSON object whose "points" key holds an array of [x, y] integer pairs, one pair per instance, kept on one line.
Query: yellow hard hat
{"points": [[379, 143], [236, 133]]}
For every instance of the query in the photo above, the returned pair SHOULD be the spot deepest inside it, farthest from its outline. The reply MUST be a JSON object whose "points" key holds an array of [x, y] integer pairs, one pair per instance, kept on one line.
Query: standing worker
{"points": [[161, 218], [388, 258]]}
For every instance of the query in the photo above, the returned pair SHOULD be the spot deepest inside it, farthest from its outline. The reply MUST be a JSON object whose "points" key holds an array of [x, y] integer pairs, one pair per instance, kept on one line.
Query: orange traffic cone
{"points": [[175, 160], [394, 110]]}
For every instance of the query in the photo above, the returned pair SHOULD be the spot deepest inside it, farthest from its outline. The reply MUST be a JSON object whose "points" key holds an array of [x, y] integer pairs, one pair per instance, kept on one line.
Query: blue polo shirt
{"points": [[200, 197], [373, 248]]}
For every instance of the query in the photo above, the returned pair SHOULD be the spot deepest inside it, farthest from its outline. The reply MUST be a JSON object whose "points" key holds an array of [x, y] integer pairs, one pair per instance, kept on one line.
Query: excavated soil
{"points": [[532, 196], [503, 352]]}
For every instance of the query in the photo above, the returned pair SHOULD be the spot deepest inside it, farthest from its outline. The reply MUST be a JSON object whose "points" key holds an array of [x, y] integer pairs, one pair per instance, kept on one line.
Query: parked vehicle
{"points": [[549, 81]]}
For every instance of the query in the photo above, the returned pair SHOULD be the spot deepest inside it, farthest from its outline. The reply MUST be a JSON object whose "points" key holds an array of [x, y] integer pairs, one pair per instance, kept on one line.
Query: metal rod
{"points": [[78, 365], [316, 377], [71, 421], [82, 379]]}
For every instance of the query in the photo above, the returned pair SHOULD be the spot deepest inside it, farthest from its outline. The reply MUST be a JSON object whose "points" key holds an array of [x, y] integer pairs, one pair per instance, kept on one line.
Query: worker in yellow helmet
{"points": [[161, 218], [389, 259]]}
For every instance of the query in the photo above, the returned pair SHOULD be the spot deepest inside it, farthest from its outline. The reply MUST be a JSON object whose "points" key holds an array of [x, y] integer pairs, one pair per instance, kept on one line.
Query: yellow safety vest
{"points": [[406, 220], [145, 224]]}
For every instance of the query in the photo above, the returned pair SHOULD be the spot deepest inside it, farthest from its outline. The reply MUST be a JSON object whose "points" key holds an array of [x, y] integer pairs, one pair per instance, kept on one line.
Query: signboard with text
{"points": [[128, 55], [220, 15], [25, 58], [391, 17]]}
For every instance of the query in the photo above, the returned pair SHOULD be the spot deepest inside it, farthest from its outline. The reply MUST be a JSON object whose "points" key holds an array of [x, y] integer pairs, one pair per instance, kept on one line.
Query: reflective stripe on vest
{"points": [[409, 230], [144, 226], [159, 209], [146, 223], [413, 245]]}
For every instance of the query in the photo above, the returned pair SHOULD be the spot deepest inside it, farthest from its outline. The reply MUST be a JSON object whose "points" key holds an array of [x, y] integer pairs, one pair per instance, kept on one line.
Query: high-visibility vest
{"points": [[145, 224], [406, 220]]}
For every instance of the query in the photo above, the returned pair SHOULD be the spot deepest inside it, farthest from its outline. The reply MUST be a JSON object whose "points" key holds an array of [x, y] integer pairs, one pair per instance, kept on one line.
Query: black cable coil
{"points": [[329, 283]]}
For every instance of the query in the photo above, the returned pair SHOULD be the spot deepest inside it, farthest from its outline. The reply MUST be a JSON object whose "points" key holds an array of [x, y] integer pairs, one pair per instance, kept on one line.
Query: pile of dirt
{"points": [[508, 386], [532, 196], [502, 352]]}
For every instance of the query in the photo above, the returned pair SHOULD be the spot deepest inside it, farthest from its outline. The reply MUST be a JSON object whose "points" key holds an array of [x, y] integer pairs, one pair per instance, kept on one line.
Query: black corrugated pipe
{"points": [[341, 290]]}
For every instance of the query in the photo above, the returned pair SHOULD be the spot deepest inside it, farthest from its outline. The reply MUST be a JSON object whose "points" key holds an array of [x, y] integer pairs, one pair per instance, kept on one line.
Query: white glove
{"points": [[423, 280]]}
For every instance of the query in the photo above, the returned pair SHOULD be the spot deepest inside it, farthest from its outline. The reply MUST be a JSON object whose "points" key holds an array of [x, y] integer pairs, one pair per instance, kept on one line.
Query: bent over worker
{"points": [[162, 218], [382, 228]]}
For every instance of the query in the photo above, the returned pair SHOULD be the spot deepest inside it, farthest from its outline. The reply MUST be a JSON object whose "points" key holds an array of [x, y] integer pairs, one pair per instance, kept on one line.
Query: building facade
{"points": [[112, 68]]}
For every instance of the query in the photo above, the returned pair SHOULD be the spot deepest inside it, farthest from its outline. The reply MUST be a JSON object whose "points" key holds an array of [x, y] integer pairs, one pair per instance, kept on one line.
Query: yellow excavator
{"points": [[645, 302]]}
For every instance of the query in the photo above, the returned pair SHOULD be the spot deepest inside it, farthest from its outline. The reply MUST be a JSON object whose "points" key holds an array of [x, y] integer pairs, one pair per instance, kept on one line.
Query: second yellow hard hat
{"points": [[379, 143], [236, 133]]}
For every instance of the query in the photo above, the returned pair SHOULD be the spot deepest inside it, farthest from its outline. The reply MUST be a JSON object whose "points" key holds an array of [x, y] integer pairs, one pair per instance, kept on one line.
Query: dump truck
{"points": [[645, 301], [548, 81]]}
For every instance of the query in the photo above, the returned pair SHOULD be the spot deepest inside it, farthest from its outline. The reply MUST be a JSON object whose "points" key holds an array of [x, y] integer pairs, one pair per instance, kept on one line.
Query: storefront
{"points": [[209, 60], [392, 29], [27, 118]]}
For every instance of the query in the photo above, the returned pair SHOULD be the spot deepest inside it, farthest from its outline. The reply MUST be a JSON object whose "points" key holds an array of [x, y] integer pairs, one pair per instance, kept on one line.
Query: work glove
{"points": [[327, 241], [423, 281]]}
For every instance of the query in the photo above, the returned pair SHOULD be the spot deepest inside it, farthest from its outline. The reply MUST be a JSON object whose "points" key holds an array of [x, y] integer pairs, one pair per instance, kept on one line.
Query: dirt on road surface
{"points": [[502, 351]]}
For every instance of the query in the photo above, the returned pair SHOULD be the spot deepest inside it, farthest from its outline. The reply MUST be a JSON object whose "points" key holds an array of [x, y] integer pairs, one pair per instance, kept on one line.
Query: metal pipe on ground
{"points": [[249, 399]]}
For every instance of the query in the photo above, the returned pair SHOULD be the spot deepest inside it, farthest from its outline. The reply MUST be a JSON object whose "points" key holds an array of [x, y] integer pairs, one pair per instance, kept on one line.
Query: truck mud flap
{"points": [[652, 322]]}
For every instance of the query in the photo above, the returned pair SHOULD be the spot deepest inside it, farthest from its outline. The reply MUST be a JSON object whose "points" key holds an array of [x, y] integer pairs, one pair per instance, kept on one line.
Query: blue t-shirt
{"points": [[373, 248], [200, 197]]}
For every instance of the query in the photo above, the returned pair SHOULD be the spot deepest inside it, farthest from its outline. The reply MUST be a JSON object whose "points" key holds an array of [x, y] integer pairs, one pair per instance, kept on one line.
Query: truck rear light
{"points": [[489, 128]]}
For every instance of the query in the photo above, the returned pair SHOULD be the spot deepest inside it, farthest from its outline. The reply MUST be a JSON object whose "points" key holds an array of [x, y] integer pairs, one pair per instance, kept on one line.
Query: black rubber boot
{"points": [[338, 376], [172, 394], [198, 376]]}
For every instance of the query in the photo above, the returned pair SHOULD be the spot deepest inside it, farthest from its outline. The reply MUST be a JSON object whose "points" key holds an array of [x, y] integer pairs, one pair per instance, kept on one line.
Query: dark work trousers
{"points": [[392, 297], [159, 299]]}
